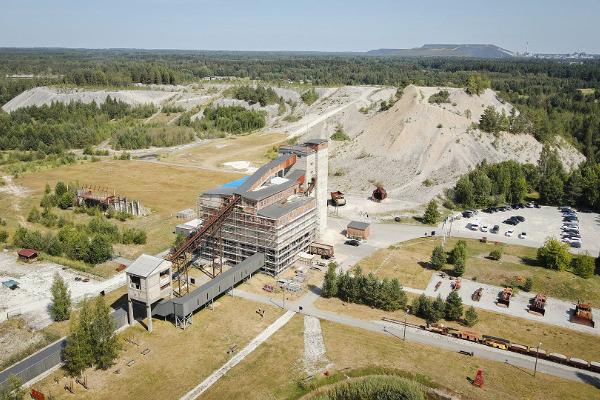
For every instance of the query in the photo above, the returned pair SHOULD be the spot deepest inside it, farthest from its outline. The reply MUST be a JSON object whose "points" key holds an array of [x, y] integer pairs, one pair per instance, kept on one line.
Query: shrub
{"points": [[584, 265], [310, 96], [339, 134], [382, 387], [495, 254], [3, 236], [443, 96], [66, 200], [554, 255], [528, 285]]}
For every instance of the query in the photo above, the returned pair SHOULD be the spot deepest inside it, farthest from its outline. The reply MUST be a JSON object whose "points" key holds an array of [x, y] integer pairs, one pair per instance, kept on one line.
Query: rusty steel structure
{"points": [[379, 194], [211, 229], [538, 304], [583, 314], [504, 297]]}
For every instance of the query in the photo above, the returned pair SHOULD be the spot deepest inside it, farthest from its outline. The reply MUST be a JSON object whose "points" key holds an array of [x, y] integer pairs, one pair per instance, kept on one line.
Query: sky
{"points": [[549, 26]]}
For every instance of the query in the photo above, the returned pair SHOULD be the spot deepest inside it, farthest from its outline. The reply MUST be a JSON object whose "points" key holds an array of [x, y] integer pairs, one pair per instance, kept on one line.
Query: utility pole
{"points": [[536, 358]]}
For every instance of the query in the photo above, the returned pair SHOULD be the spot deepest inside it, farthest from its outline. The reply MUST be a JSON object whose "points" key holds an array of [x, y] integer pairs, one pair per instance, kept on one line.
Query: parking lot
{"points": [[539, 224]]}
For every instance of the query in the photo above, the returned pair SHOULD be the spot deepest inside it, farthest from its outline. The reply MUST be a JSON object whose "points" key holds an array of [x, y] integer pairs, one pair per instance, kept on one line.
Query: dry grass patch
{"points": [[215, 153], [178, 360], [405, 261], [258, 281]]}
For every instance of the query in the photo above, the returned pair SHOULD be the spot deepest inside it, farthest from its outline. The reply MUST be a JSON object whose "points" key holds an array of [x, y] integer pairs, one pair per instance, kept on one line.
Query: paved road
{"points": [[428, 338]]}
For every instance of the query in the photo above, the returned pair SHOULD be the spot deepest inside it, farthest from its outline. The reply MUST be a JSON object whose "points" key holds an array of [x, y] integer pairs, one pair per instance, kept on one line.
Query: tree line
{"points": [[231, 119], [354, 287]]}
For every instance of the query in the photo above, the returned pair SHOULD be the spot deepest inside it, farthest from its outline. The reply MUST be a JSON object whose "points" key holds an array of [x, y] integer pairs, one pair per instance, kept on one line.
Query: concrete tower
{"points": [[320, 146]]}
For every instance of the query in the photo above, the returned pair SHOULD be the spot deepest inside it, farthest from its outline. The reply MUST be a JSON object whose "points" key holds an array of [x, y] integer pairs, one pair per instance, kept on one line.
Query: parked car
{"points": [[468, 213], [485, 228], [576, 245], [510, 232], [530, 205], [511, 221], [352, 242], [519, 218], [495, 229], [523, 235], [536, 205]]}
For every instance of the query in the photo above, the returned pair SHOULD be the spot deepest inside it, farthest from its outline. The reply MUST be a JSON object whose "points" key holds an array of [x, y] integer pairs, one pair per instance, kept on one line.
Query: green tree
{"points": [[3, 236], [12, 389], [454, 307], [422, 307], [584, 265], [100, 250], [471, 316], [459, 267], [495, 254], [104, 341], [464, 192], [330, 288], [438, 310], [528, 285], [33, 216], [47, 189], [66, 200], [459, 252], [60, 309], [78, 354], [554, 255], [476, 84], [438, 258], [60, 188], [432, 214]]}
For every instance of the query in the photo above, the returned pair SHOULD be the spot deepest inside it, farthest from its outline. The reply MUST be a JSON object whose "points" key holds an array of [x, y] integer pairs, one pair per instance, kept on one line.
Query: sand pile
{"points": [[417, 149]]}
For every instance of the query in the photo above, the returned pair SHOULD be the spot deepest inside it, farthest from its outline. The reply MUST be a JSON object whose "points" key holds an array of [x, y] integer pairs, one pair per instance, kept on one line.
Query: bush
{"points": [[132, 235], [33, 216], [443, 96], [3, 236], [66, 200], [381, 387], [528, 285], [584, 265], [495, 254], [554, 255], [232, 119], [438, 258], [310, 96], [340, 134]]}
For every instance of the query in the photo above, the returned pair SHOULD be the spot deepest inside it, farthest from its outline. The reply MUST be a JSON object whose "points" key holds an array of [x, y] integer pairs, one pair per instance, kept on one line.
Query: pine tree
{"points": [[104, 341], [330, 284], [438, 310], [60, 309], [438, 258], [459, 267], [471, 316], [432, 214], [78, 353], [454, 307]]}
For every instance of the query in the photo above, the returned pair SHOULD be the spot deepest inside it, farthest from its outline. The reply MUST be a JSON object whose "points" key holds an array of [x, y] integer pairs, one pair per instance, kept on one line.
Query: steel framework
{"points": [[180, 256]]}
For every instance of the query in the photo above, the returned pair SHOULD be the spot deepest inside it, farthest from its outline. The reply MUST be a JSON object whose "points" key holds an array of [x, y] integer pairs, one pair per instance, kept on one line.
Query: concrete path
{"points": [[236, 359]]}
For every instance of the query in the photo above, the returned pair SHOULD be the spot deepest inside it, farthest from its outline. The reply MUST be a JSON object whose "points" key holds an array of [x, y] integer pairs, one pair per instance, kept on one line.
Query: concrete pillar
{"points": [[149, 317], [130, 311]]}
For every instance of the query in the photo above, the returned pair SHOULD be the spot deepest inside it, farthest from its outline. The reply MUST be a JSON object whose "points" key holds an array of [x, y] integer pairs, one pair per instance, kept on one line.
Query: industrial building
{"points": [[279, 211]]}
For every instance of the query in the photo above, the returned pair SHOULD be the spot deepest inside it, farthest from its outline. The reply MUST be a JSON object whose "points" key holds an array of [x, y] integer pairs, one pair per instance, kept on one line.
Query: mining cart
{"points": [[379, 194], [583, 314], [504, 297], [476, 296], [456, 284], [337, 199], [538, 304]]}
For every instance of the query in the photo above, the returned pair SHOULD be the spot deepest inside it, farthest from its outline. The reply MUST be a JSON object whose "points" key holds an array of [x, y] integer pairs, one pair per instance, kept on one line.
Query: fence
{"points": [[49, 357]]}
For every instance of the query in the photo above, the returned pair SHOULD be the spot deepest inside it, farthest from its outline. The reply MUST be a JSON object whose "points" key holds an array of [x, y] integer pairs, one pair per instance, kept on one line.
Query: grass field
{"points": [[518, 330], [280, 375], [162, 188], [178, 359], [213, 154], [408, 261]]}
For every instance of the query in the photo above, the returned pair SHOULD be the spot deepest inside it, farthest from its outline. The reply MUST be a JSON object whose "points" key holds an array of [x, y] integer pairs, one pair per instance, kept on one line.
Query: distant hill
{"points": [[448, 50]]}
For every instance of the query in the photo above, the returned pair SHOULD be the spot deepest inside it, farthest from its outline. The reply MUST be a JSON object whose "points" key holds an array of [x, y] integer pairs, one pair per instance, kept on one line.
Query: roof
{"points": [[316, 141], [278, 210], [267, 191], [194, 223], [260, 173], [10, 283], [300, 150], [144, 265], [27, 253], [361, 226]]}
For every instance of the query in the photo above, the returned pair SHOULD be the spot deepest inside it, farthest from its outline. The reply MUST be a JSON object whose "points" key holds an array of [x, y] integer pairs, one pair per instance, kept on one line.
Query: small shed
{"points": [[188, 213], [358, 230], [27, 255], [188, 227]]}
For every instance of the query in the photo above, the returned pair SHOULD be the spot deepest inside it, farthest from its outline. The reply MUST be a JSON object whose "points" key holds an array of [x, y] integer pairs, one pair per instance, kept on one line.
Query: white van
{"points": [[474, 226]]}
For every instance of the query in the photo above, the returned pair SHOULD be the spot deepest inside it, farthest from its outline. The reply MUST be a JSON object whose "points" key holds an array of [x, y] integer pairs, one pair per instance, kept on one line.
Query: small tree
{"points": [[422, 306], [554, 255], [454, 307], [432, 214], [459, 252], [78, 354], [3, 236], [528, 285], [33, 216], [438, 310], [330, 288], [584, 265], [471, 316], [66, 200], [438, 257], [60, 309], [60, 188], [459, 267]]}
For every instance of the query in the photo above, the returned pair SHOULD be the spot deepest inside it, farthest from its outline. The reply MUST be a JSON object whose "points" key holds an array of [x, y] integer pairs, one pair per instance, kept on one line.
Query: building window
{"points": [[134, 282]]}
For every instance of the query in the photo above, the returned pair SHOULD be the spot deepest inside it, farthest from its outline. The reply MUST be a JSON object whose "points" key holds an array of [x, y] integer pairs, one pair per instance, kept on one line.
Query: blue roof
{"points": [[10, 283], [237, 183]]}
